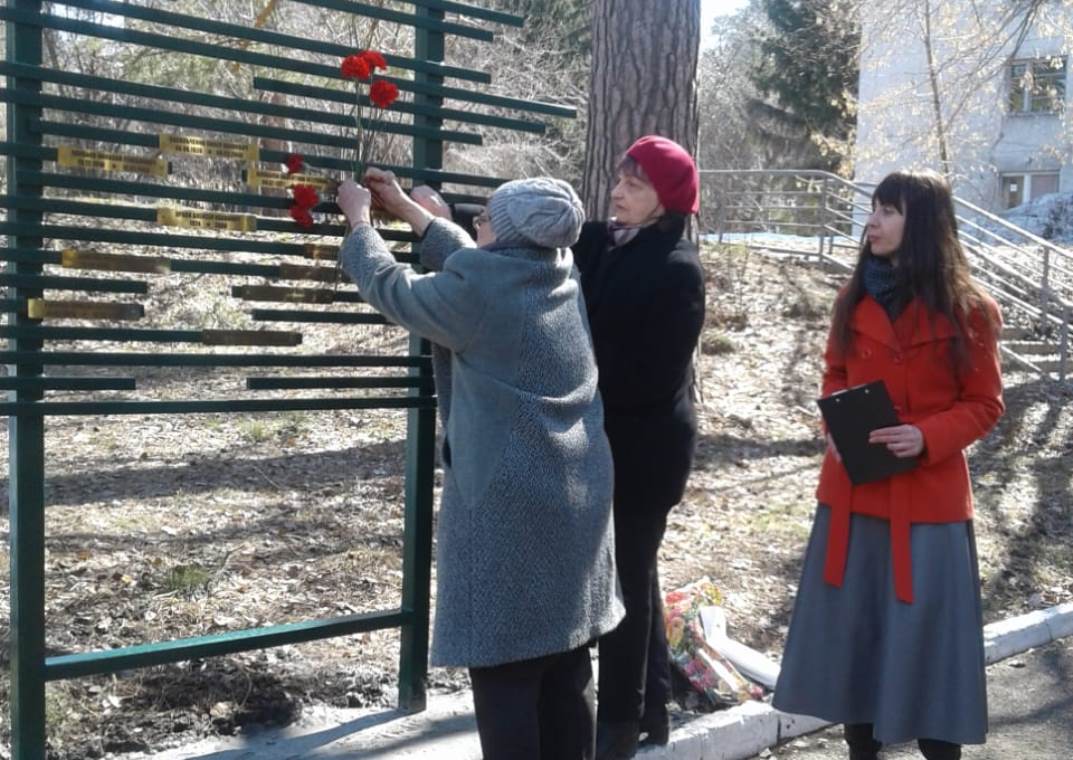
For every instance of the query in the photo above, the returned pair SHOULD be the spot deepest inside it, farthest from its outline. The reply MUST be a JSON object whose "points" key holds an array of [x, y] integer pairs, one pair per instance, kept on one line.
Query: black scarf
{"points": [[880, 280]]}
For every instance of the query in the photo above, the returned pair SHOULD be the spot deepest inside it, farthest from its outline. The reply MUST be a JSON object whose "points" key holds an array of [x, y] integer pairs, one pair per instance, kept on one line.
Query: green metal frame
{"points": [[35, 126]]}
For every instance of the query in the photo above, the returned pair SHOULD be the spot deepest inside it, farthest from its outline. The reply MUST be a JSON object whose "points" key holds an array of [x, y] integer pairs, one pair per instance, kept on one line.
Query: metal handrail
{"points": [[1032, 275]]}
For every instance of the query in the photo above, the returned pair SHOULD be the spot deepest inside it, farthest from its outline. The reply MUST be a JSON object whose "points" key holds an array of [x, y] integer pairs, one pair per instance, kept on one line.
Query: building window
{"points": [[1038, 86], [1021, 188]]}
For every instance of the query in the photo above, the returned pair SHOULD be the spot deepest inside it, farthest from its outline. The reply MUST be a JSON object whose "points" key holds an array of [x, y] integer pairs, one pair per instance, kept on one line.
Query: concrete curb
{"points": [[447, 730], [744, 731]]}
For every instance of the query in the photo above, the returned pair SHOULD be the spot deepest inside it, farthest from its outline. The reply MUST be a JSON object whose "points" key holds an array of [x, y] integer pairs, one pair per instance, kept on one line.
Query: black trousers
{"points": [[540, 709], [860, 741], [635, 672]]}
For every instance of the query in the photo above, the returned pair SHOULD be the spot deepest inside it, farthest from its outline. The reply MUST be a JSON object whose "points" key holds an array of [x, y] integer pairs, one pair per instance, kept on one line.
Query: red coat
{"points": [[951, 406]]}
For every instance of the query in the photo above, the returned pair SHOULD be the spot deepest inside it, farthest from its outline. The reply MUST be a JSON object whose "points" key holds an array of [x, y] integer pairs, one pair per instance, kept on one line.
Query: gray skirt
{"points": [[856, 654]]}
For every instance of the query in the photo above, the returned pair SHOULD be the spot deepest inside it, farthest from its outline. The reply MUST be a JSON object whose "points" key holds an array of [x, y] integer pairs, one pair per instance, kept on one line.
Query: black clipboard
{"points": [[850, 416]]}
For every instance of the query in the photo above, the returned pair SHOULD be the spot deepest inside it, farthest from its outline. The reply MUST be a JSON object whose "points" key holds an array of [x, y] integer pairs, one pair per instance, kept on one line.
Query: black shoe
{"points": [[617, 741], [862, 745], [656, 728]]}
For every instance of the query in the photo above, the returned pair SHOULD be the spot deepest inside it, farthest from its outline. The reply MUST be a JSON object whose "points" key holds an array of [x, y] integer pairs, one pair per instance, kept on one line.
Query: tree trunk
{"points": [[644, 81], [936, 102]]}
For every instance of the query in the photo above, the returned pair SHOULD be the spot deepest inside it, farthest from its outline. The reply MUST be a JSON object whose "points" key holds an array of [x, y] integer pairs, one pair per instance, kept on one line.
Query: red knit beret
{"points": [[671, 171]]}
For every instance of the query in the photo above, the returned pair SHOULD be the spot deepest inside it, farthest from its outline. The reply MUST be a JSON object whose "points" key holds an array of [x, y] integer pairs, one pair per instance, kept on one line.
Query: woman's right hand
{"points": [[832, 448], [392, 198], [386, 191]]}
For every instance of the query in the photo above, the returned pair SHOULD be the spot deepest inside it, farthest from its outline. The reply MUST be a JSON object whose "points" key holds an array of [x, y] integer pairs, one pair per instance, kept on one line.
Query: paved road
{"points": [[1031, 705]]}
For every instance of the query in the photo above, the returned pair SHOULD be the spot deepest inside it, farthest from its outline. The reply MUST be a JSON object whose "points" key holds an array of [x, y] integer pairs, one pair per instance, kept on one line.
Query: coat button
{"points": [[897, 358], [898, 408]]}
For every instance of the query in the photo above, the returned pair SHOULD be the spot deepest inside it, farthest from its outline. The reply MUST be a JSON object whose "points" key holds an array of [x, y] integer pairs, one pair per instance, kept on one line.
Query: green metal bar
{"points": [[336, 95], [333, 317], [126, 237], [165, 652], [131, 335], [12, 304], [190, 121], [419, 21], [153, 190], [469, 10], [131, 359], [149, 213], [86, 284], [234, 105], [194, 266], [181, 45], [58, 408], [281, 294], [26, 436], [83, 132], [249, 33], [420, 436], [306, 383], [67, 383]]}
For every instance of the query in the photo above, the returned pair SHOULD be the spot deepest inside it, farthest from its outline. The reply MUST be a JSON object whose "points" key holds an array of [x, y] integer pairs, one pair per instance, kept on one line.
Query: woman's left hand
{"points": [[903, 440], [355, 202]]}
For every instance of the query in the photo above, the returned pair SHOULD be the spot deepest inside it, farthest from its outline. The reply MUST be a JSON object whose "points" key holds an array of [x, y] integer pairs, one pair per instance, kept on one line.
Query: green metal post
{"points": [[420, 434], [26, 440]]}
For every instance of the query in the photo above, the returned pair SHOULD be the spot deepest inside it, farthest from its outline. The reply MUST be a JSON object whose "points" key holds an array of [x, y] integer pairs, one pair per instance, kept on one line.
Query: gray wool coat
{"points": [[525, 548]]}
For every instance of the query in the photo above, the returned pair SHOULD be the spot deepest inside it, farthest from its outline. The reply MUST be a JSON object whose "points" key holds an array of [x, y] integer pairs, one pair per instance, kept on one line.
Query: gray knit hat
{"points": [[542, 211]]}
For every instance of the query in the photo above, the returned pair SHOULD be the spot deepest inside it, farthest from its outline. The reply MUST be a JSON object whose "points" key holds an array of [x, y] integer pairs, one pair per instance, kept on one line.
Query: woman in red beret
{"points": [[886, 630], [644, 292]]}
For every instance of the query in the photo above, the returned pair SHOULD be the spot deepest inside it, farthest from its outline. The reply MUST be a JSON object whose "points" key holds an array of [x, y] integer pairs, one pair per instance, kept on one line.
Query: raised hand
{"points": [[387, 192], [431, 201], [355, 202]]}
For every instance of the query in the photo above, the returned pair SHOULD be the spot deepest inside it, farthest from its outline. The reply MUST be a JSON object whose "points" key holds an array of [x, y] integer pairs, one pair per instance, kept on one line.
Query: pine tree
{"points": [[809, 70]]}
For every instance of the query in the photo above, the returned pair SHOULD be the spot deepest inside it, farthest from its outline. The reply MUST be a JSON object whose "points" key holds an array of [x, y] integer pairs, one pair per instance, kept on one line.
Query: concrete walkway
{"points": [[1030, 699], [1031, 706]]}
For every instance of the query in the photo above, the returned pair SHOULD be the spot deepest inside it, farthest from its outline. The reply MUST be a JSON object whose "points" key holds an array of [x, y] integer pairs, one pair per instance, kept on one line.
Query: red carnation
{"points": [[301, 216], [374, 59], [356, 67], [295, 162], [305, 196], [383, 93]]}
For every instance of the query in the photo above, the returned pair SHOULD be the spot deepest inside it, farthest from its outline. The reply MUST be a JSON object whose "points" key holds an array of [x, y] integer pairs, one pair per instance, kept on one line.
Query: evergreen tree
{"points": [[808, 71]]}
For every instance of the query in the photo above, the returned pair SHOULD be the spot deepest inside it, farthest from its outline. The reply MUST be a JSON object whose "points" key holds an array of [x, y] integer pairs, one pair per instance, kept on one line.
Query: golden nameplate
{"points": [[205, 220], [71, 258], [99, 160], [201, 146], [250, 338], [284, 295], [257, 177], [321, 252], [317, 274], [39, 308]]}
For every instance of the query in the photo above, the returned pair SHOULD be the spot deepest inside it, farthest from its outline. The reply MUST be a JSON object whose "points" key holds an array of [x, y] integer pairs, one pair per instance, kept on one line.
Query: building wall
{"points": [[896, 118]]}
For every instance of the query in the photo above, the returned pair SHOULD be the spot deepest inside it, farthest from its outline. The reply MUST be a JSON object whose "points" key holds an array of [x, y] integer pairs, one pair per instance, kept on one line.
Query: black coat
{"points": [[645, 302]]}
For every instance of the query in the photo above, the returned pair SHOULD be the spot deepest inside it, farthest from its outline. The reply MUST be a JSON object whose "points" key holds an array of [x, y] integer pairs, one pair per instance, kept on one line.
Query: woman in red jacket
{"points": [[886, 635]]}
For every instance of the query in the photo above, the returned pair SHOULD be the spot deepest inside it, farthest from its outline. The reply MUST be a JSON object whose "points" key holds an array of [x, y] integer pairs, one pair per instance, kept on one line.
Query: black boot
{"points": [[617, 741], [862, 745], [656, 726], [934, 749]]}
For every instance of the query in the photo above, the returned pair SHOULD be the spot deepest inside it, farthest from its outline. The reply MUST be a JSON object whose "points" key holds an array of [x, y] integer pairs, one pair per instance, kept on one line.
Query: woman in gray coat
{"points": [[525, 552]]}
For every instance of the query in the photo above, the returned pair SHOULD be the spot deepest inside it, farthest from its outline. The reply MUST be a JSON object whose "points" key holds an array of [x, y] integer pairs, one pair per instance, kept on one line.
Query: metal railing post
{"points": [[1045, 283], [26, 440], [420, 432], [1063, 346]]}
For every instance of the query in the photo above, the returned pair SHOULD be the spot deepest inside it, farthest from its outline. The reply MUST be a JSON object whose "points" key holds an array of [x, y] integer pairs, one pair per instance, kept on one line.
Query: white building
{"points": [[1002, 87]]}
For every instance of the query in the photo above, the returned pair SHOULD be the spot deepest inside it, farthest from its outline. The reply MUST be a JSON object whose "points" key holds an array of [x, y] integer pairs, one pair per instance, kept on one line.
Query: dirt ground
{"points": [[164, 526]]}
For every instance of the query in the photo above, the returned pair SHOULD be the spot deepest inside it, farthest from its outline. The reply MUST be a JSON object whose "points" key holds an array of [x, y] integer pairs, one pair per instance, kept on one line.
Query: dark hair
{"points": [[671, 221], [930, 264]]}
